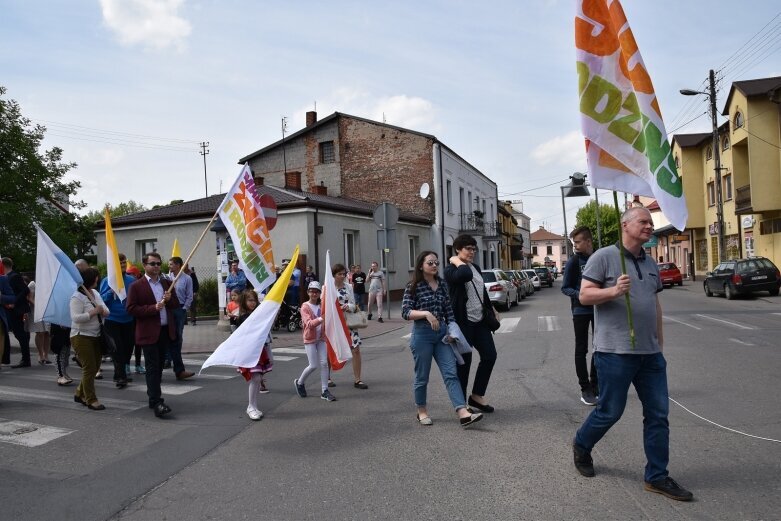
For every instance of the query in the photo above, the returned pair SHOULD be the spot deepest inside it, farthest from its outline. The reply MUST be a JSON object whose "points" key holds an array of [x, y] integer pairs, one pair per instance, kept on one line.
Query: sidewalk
{"points": [[205, 337]]}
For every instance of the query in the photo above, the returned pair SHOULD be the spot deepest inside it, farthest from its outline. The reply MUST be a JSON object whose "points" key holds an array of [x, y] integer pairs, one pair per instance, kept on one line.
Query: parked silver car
{"points": [[534, 278], [501, 290], [526, 281]]}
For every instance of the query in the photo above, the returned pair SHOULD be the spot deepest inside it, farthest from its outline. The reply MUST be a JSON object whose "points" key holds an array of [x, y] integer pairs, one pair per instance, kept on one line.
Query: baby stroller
{"points": [[288, 317]]}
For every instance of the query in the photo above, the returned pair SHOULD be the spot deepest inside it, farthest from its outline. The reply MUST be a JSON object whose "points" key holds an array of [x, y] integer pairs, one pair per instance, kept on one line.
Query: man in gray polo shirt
{"points": [[618, 363]]}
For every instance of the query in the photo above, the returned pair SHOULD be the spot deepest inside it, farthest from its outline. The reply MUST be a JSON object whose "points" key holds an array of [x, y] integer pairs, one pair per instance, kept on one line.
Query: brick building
{"points": [[356, 158]]}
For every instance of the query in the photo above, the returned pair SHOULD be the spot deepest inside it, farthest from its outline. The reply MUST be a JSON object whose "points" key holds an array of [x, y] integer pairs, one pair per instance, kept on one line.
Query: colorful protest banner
{"points": [[242, 215], [626, 141]]}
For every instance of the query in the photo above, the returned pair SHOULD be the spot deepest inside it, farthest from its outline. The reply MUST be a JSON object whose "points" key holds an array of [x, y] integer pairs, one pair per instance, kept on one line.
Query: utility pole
{"points": [[717, 167], [205, 152]]}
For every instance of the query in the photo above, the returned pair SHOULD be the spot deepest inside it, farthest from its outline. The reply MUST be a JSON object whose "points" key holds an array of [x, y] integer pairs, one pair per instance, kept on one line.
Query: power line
{"points": [[88, 130], [122, 143]]}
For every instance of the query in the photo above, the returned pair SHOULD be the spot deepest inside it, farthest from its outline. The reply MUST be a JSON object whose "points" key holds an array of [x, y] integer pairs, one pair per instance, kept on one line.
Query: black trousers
{"points": [[154, 355], [581, 323], [16, 325], [481, 338], [123, 334]]}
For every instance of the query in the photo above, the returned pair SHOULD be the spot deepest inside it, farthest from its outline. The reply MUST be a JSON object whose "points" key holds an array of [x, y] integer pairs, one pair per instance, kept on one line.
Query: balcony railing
{"points": [[474, 225], [743, 200]]}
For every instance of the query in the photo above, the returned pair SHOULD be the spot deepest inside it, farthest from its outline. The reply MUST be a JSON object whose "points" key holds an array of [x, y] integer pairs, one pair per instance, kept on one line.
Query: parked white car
{"points": [[501, 290], [534, 278]]}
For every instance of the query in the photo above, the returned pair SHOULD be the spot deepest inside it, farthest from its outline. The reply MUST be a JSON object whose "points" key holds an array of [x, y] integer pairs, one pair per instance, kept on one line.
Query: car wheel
{"points": [[507, 302], [773, 292], [708, 292], [729, 292], [680, 283]]}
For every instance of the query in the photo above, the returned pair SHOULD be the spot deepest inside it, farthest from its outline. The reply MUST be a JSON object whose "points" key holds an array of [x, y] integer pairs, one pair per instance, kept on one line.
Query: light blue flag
{"points": [[56, 280]]}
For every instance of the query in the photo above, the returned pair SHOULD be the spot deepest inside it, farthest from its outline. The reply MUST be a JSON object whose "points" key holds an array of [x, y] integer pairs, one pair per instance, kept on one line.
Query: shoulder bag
{"points": [[489, 317], [356, 320]]}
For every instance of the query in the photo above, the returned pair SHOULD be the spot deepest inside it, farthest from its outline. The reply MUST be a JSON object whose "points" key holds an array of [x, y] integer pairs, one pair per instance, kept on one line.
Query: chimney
{"points": [[293, 180], [311, 118], [320, 189]]}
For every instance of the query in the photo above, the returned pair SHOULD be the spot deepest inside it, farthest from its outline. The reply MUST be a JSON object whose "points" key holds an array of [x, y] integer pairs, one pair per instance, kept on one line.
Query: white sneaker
{"points": [[63, 381], [254, 414]]}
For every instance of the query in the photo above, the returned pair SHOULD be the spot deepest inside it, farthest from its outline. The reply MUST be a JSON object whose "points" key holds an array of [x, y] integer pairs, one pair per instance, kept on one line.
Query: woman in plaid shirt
{"points": [[426, 301]]}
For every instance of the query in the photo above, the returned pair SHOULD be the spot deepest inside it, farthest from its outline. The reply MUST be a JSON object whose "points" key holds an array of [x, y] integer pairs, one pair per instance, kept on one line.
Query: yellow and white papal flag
{"points": [[243, 347], [115, 279]]}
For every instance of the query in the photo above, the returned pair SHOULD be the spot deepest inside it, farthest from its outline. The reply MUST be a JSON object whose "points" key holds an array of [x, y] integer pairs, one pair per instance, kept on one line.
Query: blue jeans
{"points": [[648, 373], [426, 344], [175, 347]]}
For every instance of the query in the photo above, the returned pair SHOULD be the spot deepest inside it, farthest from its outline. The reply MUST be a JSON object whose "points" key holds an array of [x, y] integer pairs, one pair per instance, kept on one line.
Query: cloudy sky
{"points": [[128, 88]]}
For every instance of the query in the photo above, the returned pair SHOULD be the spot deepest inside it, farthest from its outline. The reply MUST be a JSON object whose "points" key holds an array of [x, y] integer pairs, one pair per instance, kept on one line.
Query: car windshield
{"points": [[668, 266], [531, 273], [489, 276]]}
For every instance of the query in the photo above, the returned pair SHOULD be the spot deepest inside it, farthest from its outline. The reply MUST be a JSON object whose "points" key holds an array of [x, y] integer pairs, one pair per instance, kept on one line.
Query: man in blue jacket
{"points": [[119, 325], [16, 314], [7, 298], [582, 316]]}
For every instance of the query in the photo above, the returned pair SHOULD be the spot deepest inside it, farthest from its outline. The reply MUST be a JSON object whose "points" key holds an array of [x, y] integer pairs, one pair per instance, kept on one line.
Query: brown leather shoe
{"points": [[184, 375]]}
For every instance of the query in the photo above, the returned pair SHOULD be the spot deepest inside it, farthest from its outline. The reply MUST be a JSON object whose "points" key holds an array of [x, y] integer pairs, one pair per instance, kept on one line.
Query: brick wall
{"points": [[383, 164]]}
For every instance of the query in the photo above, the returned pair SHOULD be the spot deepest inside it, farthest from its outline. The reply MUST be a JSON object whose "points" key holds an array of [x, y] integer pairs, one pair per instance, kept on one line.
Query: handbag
{"points": [[356, 320], [107, 344], [489, 317]]}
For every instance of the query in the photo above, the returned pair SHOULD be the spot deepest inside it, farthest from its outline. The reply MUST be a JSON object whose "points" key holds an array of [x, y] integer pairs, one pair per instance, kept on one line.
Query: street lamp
{"points": [[576, 188], [716, 157]]}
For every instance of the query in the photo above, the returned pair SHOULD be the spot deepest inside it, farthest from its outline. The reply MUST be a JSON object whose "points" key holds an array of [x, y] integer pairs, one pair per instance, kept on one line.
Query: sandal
{"points": [[426, 420], [360, 385]]}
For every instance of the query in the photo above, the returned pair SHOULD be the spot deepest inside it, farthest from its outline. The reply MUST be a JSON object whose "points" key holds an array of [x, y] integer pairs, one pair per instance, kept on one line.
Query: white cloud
{"points": [[410, 112], [154, 24], [568, 150]]}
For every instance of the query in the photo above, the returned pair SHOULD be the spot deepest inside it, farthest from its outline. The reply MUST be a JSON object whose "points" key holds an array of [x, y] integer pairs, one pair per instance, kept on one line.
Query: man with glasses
{"points": [[152, 305], [621, 363], [119, 324]]}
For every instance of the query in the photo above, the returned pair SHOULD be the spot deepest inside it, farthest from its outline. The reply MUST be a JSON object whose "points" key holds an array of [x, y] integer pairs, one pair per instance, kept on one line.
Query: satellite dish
{"points": [[424, 190]]}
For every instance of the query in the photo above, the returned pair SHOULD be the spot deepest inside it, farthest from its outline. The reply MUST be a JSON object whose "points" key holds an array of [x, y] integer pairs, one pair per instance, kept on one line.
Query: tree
{"points": [[587, 216], [33, 189]]}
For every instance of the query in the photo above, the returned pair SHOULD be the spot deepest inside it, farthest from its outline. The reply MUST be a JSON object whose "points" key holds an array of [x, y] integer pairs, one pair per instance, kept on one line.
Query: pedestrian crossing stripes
{"points": [[548, 323], [60, 399]]}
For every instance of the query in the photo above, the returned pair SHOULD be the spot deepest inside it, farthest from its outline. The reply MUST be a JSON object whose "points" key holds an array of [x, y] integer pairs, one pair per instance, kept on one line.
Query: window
{"points": [[327, 152], [709, 153], [145, 246], [350, 240], [726, 188], [413, 251], [725, 143], [738, 121], [677, 162], [449, 193], [549, 250], [469, 201], [461, 200], [534, 250], [711, 194]]}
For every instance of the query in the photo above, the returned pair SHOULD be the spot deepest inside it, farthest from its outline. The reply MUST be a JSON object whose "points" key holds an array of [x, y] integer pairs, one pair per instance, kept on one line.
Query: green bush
{"points": [[208, 300]]}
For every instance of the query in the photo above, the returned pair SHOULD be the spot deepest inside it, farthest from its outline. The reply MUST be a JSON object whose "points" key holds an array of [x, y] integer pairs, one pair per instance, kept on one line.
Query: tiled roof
{"points": [[750, 88], [285, 198], [544, 235]]}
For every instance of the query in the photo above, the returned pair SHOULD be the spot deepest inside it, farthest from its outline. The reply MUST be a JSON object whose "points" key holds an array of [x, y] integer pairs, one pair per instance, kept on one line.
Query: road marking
{"points": [[733, 324], [671, 319], [408, 335], [62, 399], [776, 313], [508, 324], [289, 350], [548, 323], [29, 434], [741, 342], [280, 358]]}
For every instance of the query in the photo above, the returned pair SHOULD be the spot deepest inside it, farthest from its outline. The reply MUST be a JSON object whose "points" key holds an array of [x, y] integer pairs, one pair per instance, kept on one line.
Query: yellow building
{"points": [[750, 149], [510, 249]]}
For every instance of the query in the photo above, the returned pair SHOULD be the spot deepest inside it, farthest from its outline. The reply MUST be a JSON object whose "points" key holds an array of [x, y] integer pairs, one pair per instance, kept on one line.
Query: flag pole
{"points": [[623, 272], [197, 243]]}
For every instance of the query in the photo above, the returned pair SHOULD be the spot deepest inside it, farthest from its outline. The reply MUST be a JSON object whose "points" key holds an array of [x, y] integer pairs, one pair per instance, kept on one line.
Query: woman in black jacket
{"points": [[470, 302]]}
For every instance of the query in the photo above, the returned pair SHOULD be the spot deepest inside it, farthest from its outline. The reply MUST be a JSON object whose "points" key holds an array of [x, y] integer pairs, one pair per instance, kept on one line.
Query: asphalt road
{"points": [[365, 457]]}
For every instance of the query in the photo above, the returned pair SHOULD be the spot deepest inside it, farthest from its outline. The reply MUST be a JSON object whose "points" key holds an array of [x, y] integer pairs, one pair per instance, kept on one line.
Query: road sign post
{"points": [[386, 215]]}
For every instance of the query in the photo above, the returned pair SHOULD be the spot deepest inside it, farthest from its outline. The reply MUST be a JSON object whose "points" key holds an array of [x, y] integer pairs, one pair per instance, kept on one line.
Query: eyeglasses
{"points": [[471, 248], [432, 263], [154, 263]]}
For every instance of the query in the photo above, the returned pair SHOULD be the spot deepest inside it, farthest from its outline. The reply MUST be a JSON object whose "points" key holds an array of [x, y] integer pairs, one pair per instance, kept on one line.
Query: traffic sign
{"points": [[269, 207], [386, 215]]}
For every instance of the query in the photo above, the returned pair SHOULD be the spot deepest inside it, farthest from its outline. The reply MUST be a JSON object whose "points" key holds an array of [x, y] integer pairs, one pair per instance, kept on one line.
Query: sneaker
{"points": [[583, 462], [300, 389], [369, 316], [331, 383], [588, 397], [99, 375], [380, 320], [263, 388], [669, 488], [327, 396], [63, 381], [254, 414], [140, 369]]}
